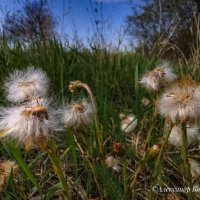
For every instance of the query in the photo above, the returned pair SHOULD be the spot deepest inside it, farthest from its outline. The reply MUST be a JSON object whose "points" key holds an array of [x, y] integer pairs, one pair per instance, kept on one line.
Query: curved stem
{"points": [[99, 135]]}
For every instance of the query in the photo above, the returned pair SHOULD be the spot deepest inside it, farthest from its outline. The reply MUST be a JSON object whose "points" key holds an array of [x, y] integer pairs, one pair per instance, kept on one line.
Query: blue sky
{"points": [[80, 16]]}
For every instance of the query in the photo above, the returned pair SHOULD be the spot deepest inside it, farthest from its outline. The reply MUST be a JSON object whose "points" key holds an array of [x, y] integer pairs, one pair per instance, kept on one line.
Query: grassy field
{"points": [[114, 80]]}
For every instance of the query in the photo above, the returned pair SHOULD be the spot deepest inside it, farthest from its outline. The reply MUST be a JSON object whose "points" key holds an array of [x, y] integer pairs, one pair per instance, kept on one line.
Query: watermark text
{"points": [[161, 189]]}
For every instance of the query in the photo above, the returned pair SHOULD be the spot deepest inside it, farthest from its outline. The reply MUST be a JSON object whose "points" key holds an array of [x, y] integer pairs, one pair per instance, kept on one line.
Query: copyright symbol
{"points": [[155, 188]]}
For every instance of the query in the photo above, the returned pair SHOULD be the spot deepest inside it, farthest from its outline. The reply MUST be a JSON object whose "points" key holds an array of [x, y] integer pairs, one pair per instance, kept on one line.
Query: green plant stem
{"points": [[57, 167], [99, 135], [153, 123], [156, 170], [62, 82], [124, 174], [144, 157], [164, 143], [91, 163], [186, 165], [88, 157]]}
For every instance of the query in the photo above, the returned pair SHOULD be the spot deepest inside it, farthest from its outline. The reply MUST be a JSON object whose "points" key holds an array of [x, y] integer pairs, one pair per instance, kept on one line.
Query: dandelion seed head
{"points": [[195, 168], [26, 84], [180, 102], [158, 78], [110, 161], [78, 114], [28, 124], [128, 123], [113, 163], [192, 133], [175, 137], [145, 101]]}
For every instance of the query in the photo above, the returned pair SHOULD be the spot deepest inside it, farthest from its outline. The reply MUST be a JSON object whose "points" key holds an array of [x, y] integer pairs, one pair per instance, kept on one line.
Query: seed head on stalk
{"points": [[30, 125], [195, 168], [180, 102], [128, 122], [158, 78], [175, 137], [26, 84], [78, 114]]}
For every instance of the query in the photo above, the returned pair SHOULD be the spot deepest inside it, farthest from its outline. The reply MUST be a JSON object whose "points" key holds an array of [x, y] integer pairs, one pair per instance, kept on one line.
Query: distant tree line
{"points": [[164, 22], [33, 22], [173, 26]]}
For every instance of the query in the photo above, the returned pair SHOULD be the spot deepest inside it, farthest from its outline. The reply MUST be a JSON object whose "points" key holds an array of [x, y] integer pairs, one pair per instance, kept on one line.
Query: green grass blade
{"points": [[53, 190], [8, 187], [73, 153], [18, 157]]}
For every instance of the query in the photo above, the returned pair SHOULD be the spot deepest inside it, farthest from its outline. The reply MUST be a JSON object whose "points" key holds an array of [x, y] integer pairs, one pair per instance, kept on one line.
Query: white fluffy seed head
{"points": [[145, 101], [110, 161], [78, 114], [195, 168], [27, 124], [26, 84], [175, 137], [113, 163], [128, 123], [158, 78], [180, 102]]}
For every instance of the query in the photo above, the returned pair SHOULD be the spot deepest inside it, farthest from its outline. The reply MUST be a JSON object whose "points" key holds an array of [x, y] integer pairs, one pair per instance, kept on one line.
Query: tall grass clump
{"points": [[95, 124]]}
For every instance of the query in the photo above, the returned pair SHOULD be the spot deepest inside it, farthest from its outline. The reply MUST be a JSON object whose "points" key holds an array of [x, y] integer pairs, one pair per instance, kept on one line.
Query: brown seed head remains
{"points": [[186, 81], [6, 168], [73, 85], [26, 83], [37, 111], [157, 75], [79, 107]]}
